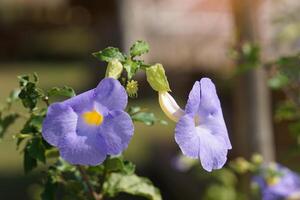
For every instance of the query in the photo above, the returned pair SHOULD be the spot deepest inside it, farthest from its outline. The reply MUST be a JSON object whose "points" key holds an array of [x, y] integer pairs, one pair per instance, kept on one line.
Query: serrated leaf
{"points": [[131, 184], [131, 67], [138, 48], [64, 91], [109, 54], [29, 95], [6, 122], [29, 162]]}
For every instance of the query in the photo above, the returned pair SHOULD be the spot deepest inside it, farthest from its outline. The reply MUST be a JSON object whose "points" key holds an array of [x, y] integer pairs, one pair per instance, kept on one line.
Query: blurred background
{"points": [[191, 38]]}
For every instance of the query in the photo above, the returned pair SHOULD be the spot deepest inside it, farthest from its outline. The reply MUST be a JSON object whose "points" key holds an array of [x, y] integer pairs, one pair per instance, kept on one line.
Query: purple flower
{"points": [[90, 126], [277, 182], [201, 131]]}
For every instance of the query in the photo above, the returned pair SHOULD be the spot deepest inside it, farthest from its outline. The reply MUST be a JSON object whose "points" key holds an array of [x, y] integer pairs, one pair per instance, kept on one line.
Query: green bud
{"points": [[257, 159], [132, 88], [157, 79], [114, 69]]}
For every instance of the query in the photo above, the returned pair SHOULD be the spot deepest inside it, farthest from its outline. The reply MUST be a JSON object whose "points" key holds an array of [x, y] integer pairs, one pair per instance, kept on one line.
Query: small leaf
{"points": [[132, 184], [29, 95], [13, 96], [144, 117], [29, 162], [23, 80], [113, 164], [36, 149], [64, 91], [117, 164], [109, 54], [131, 67], [139, 48]]}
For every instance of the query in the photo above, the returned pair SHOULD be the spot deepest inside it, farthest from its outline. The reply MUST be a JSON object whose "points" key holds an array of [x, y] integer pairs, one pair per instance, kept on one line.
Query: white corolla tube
{"points": [[169, 106]]}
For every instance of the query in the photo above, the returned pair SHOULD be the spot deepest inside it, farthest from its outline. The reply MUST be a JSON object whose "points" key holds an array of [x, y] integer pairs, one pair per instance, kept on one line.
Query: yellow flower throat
{"points": [[93, 118]]}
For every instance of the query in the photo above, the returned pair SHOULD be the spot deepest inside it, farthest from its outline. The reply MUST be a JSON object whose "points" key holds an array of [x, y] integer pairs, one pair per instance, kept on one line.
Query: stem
{"points": [[85, 178]]}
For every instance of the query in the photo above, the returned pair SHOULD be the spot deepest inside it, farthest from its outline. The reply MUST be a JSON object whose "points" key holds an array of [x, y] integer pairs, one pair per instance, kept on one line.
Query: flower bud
{"points": [[157, 79], [132, 88], [169, 106], [114, 69], [257, 159]]}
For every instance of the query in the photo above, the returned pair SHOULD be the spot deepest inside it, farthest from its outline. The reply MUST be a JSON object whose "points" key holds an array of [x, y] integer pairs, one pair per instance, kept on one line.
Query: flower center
{"points": [[93, 118]]}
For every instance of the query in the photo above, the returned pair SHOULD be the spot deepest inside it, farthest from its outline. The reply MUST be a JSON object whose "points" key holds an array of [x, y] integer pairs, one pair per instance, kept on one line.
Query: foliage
{"points": [[285, 78], [62, 180]]}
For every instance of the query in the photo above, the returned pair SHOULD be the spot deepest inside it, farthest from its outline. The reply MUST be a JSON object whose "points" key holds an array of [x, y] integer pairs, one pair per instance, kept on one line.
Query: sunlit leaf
{"points": [[132, 184]]}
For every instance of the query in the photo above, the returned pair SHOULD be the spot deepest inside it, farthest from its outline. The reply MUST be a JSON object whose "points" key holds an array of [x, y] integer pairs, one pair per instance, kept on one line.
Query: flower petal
{"points": [[193, 102], [111, 94], [89, 149], [209, 100], [117, 131], [210, 110], [213, 151], [186, 137], [60, 121], [82, 102], [216, 125]]}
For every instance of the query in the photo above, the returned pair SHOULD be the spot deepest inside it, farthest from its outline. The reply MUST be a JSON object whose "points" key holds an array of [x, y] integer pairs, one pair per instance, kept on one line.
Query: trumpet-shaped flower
{"points": [[277, 182], [201, 132], [90, 126]]}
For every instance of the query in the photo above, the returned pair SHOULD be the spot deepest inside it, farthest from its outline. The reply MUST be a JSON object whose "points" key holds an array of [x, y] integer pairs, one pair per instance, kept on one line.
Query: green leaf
{"points": [[144, 117], [113, 164], [147, 118], [49, 189], [117, 164], [64, 91], [29, 95], [36, 149], [23, 80], [131, 67], [29, 162], [109, 54], [131, 184], [13, 96], [33, 125], [139, 48], [278, 81], [6, 122]]}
